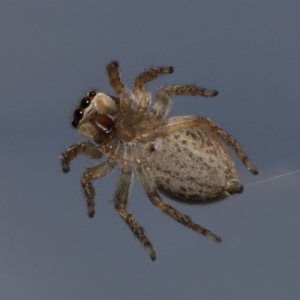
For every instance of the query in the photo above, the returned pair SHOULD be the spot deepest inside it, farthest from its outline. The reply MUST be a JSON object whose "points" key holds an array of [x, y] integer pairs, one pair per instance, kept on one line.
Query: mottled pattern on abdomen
{"points": [[193, 166]]}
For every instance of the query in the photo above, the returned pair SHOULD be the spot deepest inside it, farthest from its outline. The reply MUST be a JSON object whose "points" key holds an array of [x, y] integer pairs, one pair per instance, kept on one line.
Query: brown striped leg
{"points": [[149, 188], [88, 149], [120, 201], [142, 96], [162, 101], [150, 74], [88, 176], [115, 77]]}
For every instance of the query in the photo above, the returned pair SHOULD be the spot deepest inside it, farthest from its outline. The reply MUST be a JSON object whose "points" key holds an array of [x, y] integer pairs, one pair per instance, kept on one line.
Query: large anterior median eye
{"points": [[78, 113], [85, 102]]}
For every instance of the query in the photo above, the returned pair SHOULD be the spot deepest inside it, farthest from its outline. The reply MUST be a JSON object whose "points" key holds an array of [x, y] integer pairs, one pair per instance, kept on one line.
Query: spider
{"points": [[183, 158]]}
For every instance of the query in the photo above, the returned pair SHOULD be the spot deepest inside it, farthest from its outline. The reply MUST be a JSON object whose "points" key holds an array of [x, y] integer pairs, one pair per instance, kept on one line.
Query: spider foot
{"points": [[91, 212]]}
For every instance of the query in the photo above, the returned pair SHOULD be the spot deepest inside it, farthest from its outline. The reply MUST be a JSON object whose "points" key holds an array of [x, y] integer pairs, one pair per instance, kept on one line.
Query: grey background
{"points": [[51, 53]]}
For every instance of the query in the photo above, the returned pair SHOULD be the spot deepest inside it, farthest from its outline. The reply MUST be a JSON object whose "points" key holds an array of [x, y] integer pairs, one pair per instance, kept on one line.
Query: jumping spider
{"points": [[184, 158]]}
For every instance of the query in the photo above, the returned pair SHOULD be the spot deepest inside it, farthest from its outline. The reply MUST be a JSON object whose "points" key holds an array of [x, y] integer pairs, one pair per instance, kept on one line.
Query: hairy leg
{"points": [[139, 90], [126, 97], [114, 77], [150, 74], [162, 101], [149, 187], [88, 149], [120, 201], [88, 176]]}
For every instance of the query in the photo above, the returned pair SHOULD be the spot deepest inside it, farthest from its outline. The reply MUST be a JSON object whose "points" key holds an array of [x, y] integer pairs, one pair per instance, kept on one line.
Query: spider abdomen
{"points": [[194, 167]]}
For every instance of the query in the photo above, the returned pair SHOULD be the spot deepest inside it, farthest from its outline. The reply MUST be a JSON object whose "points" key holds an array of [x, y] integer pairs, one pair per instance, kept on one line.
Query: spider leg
{"points": [[114, 77], [178, 123], [90, 174], [88, 149], [162, 101], [143, 97], [126, 96], [150, 189], [120, 201]]}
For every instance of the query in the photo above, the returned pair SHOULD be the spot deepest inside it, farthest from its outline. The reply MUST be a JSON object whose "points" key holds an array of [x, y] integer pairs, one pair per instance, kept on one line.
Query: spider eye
{"points": [[74, 123], [85, 102], [92, 94], [78, 113]]}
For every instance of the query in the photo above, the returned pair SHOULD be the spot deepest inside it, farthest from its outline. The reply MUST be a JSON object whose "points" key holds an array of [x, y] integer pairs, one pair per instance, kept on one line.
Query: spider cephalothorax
{"points": [[184, 157]]}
